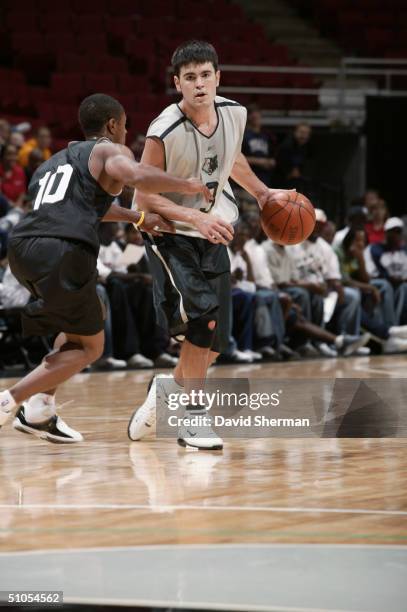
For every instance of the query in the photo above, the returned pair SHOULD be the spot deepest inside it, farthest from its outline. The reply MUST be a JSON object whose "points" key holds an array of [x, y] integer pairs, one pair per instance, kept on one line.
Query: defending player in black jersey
{"points": [[53, 253]]}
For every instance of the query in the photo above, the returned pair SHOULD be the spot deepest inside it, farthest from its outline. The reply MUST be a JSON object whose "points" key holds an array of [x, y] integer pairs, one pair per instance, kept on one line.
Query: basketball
{"points": [[288, 218]]}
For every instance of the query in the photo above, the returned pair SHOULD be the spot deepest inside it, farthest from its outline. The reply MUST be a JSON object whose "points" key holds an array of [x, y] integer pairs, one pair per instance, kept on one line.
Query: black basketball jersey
{"points": [[67, 201]]}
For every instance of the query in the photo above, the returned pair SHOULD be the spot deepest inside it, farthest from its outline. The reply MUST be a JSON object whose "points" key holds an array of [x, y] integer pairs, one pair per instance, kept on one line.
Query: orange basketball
{"points": [[288, 217]]}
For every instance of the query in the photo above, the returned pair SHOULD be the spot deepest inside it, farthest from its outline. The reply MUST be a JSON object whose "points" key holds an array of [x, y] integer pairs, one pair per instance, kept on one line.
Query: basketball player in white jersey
{"points": [[202, 137]]}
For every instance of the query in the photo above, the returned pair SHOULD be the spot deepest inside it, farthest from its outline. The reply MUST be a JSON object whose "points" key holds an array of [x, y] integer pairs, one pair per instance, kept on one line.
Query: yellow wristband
{"points": [[140, 221]]}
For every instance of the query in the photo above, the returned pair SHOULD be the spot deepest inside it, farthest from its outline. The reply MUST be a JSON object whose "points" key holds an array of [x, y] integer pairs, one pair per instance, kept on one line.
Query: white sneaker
{"points": [[139, 361], [395, 345], [308, 350], [201, 435], [253, 354], [326, 350], [165, 361], [110, 363], [268, 351], [240, 357], [143, 420], [348, 345], [400, 331], [53, 429], [363, 351]]}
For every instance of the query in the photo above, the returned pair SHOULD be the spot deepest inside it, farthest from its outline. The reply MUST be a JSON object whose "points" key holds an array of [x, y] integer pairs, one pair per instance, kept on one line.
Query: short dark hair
{"points": [[96, 110], [193, 52]]}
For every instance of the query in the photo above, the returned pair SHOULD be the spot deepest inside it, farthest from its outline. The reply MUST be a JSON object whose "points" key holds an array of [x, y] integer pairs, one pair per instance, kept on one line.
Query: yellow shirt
{"points": [[26, 149]]}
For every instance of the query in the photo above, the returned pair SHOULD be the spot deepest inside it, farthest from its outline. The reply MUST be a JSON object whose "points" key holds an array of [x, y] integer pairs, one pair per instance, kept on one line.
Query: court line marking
{"points": [[245, 545], [198, 605], [172, 508]]}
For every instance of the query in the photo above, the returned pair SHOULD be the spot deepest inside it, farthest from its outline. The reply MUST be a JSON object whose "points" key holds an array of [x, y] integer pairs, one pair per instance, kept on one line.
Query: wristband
{"points": [[140, 221]]}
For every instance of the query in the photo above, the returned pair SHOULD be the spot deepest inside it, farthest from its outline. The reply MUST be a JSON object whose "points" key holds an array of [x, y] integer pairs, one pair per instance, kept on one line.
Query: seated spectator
{"points": [[12, 178], [390, 260], [294, 158], [319, 272], [269, 316], [136, 337], [258, 147], [35, 159], [352, 261], [374, 228], [16, 139], [328, 231], [12, 293], [42, 141], [356, 219], [243, 293]]}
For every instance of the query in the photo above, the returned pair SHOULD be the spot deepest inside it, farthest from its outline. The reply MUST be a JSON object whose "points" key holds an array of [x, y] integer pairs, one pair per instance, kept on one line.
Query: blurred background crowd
{"points": [[316, 299]]}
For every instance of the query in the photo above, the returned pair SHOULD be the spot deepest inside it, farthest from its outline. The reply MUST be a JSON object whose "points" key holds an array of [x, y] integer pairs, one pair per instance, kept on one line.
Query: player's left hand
{"points": [[153, 223]]}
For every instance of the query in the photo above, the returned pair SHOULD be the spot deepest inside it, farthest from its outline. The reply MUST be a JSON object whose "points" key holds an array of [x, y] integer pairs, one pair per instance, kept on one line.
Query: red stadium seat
{"points": [[103, 83]]}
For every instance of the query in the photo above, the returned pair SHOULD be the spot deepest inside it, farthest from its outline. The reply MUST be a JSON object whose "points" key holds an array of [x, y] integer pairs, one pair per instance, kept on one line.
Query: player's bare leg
{"points": [[72, 354], [189, 375]]}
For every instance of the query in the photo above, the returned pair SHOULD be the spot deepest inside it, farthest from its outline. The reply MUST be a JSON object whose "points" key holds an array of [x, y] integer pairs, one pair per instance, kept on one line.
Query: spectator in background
{"points": [[371, 198], [328, 232], [356, 219], [269, 316], [17, 139], [42, 141], [243, 293], [390, 259], [12, 178], [35, 159], [374, 227], [258, 147], [319, 273], [351, 256], [294, 158], [137, 146]]}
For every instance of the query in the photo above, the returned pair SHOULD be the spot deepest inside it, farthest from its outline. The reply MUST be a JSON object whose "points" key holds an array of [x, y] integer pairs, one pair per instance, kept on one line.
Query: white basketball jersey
{"points": [[189, 153]]}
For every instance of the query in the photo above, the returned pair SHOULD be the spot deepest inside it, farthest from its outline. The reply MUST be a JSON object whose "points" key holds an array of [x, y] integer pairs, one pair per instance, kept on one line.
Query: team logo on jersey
{"points": [[210, 165]]}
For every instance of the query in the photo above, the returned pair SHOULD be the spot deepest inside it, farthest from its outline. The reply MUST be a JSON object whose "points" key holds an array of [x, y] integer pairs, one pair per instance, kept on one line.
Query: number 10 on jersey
{"points": [[46, 183]]}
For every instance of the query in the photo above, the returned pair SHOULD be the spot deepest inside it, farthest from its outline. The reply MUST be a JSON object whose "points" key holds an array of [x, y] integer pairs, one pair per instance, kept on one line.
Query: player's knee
{"points": [[201, 331]]}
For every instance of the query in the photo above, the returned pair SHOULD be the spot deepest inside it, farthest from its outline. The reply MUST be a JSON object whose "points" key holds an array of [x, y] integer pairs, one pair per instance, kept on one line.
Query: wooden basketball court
{"points": [[108, 492]]}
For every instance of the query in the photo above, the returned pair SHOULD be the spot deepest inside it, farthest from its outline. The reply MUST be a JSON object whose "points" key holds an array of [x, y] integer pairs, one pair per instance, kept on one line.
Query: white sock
{"points": [[40, 407], [7, 405]]}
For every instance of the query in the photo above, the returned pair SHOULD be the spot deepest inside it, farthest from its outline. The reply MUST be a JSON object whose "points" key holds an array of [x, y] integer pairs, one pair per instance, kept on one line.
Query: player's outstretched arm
{"points": [[152, 223], [119, 167], [246, 178]]}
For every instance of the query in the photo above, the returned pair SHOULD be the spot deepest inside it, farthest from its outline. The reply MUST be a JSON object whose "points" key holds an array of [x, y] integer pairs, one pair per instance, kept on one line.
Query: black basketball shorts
{"points": [[191, 277], [61, 277]]}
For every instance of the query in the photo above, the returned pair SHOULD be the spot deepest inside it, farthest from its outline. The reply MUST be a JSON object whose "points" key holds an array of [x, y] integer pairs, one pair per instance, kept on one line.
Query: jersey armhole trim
{"points": [[217, 104], [114, 195], [172, 127], [229, 197]]}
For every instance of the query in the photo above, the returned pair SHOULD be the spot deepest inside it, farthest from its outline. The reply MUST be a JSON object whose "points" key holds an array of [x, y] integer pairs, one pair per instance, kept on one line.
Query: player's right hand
{"points": [[213, 228], [194, 185], [153, 223]]}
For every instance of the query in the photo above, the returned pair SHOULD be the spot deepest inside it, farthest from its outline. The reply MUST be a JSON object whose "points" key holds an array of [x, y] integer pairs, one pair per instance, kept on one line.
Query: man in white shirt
{"points": [[319, 273], [269, 320]]}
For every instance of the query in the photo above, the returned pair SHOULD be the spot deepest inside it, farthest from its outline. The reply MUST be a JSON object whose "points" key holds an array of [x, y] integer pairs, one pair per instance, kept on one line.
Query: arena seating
{"points": [[369, 28], [52, 56]]}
